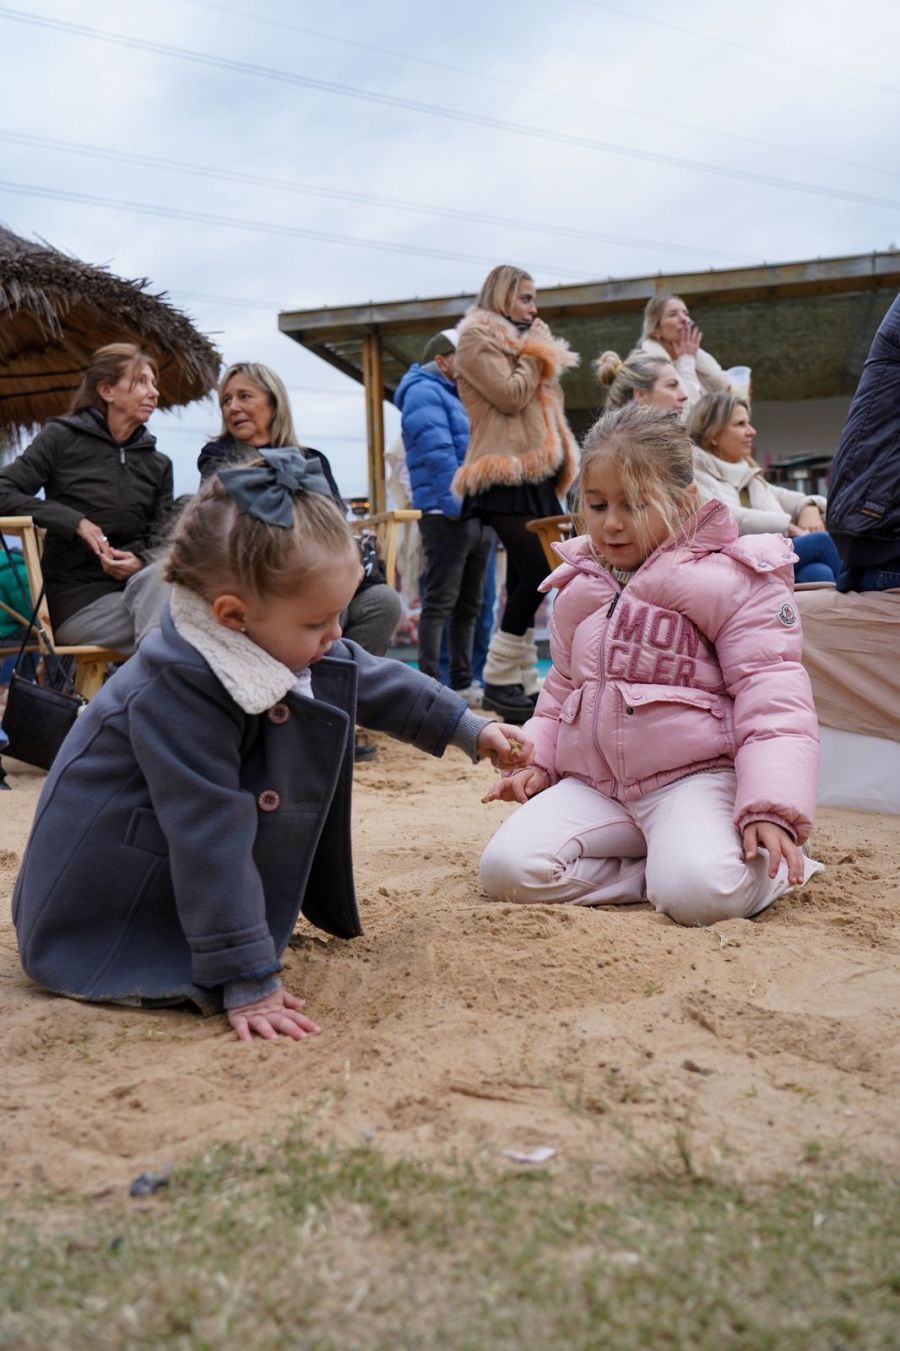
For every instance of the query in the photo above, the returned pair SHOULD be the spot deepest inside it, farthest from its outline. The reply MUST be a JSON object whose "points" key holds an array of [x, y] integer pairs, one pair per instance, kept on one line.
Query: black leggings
{"points": [[526, 568]]}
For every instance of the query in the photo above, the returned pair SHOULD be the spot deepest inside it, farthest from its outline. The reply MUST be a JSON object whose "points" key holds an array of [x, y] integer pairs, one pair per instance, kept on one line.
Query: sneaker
{"points": [[473, 695], [363, 750]]}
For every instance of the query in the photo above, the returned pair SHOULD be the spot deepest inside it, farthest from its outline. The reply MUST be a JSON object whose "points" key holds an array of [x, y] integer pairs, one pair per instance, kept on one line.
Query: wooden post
{"points": [[374, 382]]}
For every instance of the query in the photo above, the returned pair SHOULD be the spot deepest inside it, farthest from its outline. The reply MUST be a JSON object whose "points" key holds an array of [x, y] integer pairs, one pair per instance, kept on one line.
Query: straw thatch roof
{"points": [[55, 311]]}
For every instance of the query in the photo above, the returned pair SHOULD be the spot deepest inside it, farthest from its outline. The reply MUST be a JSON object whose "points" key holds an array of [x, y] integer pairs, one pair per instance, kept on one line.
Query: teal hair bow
{"points": [[268, 492]]}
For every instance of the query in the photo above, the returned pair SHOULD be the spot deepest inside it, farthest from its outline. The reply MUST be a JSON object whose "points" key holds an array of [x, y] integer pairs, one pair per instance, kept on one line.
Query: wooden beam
{"points": [[374, 383]]}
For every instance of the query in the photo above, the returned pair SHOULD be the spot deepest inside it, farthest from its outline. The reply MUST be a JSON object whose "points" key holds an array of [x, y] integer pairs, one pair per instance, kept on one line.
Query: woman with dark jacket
{"points": [[256, 414], [107, 496], [521, 461]]}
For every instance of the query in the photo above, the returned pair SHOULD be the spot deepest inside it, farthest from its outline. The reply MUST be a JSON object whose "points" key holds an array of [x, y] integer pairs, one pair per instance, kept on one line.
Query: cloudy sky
{"points": [[256, 155]]}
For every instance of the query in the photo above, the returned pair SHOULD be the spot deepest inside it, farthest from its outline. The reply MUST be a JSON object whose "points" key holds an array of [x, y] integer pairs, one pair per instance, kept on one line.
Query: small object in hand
{"points": [[145, 1184], [515, 748]]}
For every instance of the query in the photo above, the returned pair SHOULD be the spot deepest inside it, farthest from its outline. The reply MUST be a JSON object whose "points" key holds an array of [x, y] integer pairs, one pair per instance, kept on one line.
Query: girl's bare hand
{"points": [[504, 745], [277, 1014], [518, 787], [778, 844]]}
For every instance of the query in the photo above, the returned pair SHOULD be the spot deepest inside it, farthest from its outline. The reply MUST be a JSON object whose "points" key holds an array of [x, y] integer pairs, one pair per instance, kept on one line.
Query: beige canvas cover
{"points": [[851, 649]]}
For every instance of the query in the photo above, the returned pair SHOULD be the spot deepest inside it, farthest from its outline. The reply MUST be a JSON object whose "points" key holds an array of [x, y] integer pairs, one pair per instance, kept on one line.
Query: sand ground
{"points": [[460, 1028]]}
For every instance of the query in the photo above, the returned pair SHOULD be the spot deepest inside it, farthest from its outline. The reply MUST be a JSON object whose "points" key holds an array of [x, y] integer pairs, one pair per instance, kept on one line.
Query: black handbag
{"points": [[38, 717]]}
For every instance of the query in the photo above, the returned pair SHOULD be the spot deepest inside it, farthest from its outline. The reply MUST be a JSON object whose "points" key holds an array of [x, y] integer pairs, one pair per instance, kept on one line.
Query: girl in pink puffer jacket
{"points": [[676, 749]]}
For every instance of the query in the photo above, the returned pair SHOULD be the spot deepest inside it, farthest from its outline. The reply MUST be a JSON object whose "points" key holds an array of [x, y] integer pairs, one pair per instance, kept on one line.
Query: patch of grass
{"points": [[324, 1249]]}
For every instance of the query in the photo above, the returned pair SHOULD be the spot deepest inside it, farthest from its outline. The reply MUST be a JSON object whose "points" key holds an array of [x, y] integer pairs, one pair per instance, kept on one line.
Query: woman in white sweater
{"points": [[724, 469], [669, 333]]}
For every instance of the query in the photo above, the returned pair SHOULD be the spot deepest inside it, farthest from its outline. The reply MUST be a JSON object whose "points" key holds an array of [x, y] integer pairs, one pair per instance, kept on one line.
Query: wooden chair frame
{"points": [[386, 528], [90, 662], [551, 530]]}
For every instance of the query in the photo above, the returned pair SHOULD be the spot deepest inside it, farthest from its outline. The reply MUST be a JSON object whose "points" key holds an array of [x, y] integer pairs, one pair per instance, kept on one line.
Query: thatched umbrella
{"points": [[55, 311]]}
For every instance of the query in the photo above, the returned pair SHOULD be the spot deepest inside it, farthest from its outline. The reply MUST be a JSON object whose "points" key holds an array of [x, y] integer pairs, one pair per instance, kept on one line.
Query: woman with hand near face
{"points": [[668, 332], [521, 460], [107, 497], [724, 469]]}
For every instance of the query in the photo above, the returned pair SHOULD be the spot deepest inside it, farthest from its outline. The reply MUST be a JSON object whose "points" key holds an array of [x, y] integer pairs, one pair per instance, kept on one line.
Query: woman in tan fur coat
{"points": [[522, 459]]}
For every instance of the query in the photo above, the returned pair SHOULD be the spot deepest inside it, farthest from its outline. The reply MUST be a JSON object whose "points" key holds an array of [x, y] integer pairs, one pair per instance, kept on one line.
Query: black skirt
{"points": [[531, 500]]}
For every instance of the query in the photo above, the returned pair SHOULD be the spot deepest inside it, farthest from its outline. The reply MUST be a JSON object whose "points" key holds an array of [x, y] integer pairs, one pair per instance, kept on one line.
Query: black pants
{"points": [[456, 554], [526, 568]]}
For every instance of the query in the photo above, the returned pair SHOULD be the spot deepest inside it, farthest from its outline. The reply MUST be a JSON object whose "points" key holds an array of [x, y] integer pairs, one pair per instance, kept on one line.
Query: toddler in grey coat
{"points": [[203, 798]]}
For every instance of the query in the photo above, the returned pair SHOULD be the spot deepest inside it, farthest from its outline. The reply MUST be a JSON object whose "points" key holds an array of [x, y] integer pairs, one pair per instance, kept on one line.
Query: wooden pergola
{"points": [[803, 327]]}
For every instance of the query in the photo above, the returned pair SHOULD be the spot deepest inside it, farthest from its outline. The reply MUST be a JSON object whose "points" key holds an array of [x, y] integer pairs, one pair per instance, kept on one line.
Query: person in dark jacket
{"points": [[203, 797], [256, 413], [864, 493], [435, 430], [107, 497]]}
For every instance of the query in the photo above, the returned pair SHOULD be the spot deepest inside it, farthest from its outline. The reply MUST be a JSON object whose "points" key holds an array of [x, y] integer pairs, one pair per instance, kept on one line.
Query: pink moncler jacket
{"points": [[694, 665]]}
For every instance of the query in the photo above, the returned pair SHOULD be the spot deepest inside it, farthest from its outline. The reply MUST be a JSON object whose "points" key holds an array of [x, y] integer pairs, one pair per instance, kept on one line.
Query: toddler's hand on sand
{"points": [[504, 745], [518, 787], [778, 844], [278, 1013]]}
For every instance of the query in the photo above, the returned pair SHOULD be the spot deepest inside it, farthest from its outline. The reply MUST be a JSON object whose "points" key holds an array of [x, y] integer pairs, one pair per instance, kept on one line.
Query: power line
{"points": [[436, 110], [269, 228], [343, 195], [582, 99], [738, 46]]}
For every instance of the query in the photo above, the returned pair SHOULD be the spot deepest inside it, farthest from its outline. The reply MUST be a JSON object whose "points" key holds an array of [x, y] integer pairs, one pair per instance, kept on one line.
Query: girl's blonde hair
{"points": [[500, 287], [621, 379], [653, 312], [282, 431], [711, 415], [107, 366], [216, 547], [654, 456]]}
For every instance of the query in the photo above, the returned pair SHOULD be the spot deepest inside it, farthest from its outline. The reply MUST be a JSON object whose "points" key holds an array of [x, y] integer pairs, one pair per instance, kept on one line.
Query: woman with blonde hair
{"points": [[256, 415], [724, 469], [669, 333], [642, 379], [521, 460]]}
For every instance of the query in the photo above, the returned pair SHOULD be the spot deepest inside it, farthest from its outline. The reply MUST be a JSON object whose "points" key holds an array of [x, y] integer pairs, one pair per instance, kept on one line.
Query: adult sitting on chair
{"points": [[724, 469], [107, 495], [256, 413]]}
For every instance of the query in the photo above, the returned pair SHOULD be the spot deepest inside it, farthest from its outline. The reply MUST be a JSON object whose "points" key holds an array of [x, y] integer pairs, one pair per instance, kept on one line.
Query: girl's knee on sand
{"points": [[517, 880], [687, 893]]}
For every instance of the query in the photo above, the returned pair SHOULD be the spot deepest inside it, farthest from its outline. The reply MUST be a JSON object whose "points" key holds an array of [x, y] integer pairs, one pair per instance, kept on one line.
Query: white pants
{"points": [[677, 848]]}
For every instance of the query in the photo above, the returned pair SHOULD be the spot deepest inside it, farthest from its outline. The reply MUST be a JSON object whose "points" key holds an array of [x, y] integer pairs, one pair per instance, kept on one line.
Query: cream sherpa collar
{"points": [[254, 680]]}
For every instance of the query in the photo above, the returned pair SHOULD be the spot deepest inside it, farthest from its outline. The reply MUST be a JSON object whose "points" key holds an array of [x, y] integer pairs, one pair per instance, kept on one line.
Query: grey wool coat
{"points": [[178, 836]]}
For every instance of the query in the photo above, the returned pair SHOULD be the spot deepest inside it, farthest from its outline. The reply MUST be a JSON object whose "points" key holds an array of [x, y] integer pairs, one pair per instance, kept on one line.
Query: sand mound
{"points": [[456, 1027]]}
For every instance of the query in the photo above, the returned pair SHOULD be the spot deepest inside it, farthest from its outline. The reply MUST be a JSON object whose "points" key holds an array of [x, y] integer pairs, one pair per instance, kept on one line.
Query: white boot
{"points": [[531, 680], [503, 692]]}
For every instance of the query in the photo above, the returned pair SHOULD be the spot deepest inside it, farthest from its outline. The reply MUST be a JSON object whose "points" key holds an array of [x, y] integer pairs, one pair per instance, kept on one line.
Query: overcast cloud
{"points": [[808, 93]]}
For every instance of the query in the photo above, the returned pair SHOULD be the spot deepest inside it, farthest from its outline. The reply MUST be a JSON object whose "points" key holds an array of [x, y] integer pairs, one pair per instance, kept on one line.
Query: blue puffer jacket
{"points": [[435, 428], [864, 493]]}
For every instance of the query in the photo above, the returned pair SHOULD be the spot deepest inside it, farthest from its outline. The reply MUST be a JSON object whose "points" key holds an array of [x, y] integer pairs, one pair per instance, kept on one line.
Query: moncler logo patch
{"points": [[787, 616]]}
